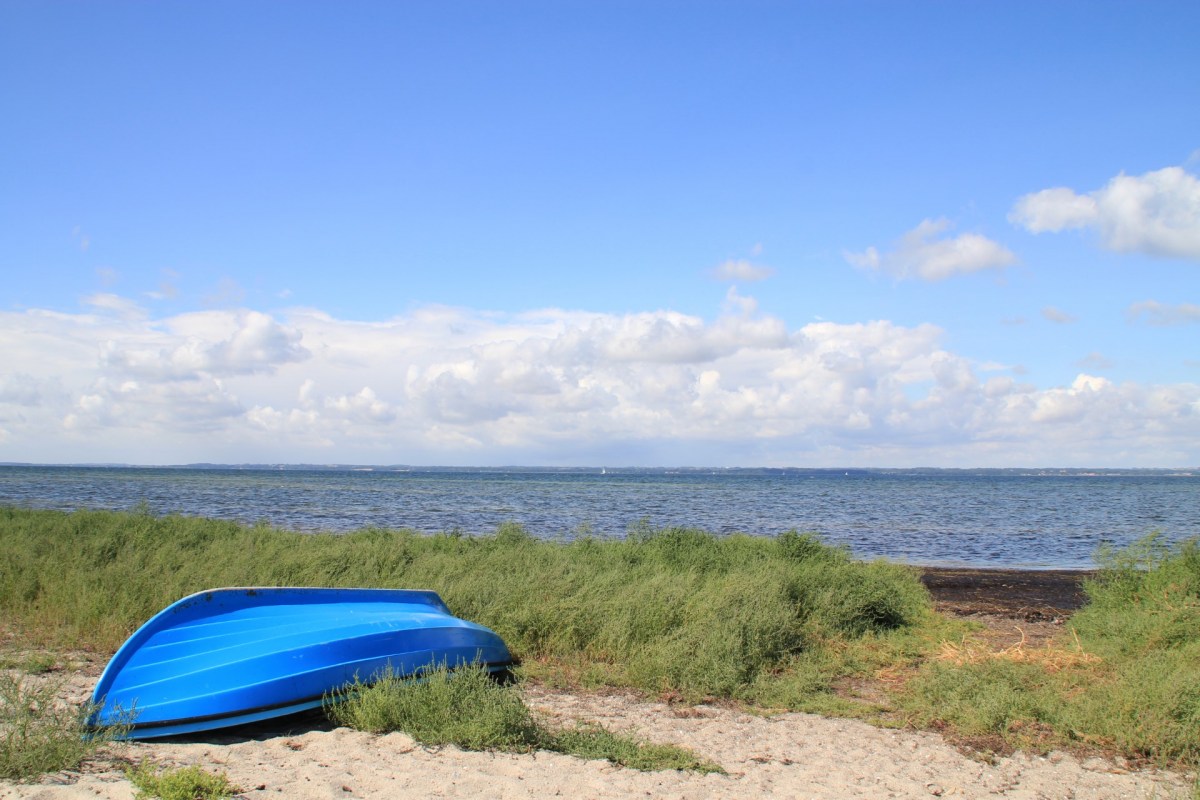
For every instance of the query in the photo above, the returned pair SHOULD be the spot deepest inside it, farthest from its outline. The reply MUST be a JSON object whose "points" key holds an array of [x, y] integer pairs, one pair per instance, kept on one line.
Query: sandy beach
{"points": [[786, 756], [789, 756]]}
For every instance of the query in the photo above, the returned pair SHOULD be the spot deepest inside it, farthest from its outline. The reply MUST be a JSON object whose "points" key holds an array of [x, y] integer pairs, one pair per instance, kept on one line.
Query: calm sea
{"points": [[925, 517]]}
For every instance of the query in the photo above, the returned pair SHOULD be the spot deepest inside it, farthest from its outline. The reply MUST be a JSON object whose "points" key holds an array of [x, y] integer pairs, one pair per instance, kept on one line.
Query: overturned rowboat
{"points": [[227, 657]]}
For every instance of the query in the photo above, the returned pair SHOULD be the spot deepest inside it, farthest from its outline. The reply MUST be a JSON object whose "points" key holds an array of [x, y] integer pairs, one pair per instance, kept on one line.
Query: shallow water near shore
{"points": [[926, 517]]}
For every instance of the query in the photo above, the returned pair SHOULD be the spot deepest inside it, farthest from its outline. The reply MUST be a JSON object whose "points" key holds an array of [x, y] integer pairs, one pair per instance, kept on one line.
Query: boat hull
{"points": [[231, 656]]}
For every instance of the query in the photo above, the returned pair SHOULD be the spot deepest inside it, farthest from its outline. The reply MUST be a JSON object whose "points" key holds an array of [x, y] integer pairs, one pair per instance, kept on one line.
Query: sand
{"points": [[788, 756]]}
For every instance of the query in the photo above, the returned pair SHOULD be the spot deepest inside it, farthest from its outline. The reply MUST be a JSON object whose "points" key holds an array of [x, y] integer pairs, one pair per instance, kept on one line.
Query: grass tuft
{"points": [[466, 707], [463, 707], [593, 741]]}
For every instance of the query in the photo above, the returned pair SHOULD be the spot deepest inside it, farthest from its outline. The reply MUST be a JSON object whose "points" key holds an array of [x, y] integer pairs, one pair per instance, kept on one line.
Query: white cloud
{"points": [[1153, 312], [1054, 210], [190, 346], [363, 406], [447, 385], [921, 254], [741, 270], [1157, 213]]}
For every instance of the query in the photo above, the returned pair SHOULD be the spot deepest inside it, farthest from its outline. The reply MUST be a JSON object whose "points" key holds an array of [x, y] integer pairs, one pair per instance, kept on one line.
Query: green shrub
{"points": [[1145, 597], [184, 783], [1143, 621]]}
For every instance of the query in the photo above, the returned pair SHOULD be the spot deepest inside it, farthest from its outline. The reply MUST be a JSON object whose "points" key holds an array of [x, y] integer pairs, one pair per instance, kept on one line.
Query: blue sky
{"points": [[810, 234]]}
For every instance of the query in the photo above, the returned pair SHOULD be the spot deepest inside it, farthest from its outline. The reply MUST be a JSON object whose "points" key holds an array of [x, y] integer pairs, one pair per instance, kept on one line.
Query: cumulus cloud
{"points": [[1153, 312], [362, 406], [453, 385], [1157, 213], [741, 270], [206, 343], [925, 254]]}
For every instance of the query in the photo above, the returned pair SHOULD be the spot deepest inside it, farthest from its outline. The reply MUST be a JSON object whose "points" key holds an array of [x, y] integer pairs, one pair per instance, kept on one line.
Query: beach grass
{"points": [[463, 707], [674, 611], [468, 708], [776, 623], [40, 734]]}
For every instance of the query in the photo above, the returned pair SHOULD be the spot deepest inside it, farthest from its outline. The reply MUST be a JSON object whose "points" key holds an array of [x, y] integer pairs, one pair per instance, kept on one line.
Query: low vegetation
{"points": [[182, 783], [673, 611], [29, 663], [40, 734], [470, 709], [783, 623], [1124, 676]]}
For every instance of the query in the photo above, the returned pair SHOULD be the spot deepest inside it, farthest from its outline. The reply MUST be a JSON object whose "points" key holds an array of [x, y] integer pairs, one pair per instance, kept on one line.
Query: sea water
{"points": [[1006, 518]]}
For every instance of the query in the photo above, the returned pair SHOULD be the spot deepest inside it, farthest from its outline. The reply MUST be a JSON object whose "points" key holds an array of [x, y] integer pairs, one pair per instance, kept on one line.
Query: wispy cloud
{"points": [[925, 254], [1157, 213], [1095, 361], [168, 287], [107, 302], [227, 294], [1152, 312], [1058, 316], [741, 270]]}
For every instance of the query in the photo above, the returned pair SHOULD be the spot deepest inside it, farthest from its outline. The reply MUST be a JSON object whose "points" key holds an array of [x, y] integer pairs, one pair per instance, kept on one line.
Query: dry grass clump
{"points": [[1050, 656]]}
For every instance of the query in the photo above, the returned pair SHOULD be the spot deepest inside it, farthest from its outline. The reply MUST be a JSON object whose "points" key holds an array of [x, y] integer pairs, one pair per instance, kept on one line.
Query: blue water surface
{"points": [[927, 517]]}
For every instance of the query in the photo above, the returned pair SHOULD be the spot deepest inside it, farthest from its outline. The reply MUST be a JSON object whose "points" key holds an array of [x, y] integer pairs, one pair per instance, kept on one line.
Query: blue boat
{"points": [[227, 657]]}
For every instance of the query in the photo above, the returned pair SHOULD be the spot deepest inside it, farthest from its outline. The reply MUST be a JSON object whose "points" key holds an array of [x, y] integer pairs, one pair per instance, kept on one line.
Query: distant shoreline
{"points": [[1024, 472]]}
